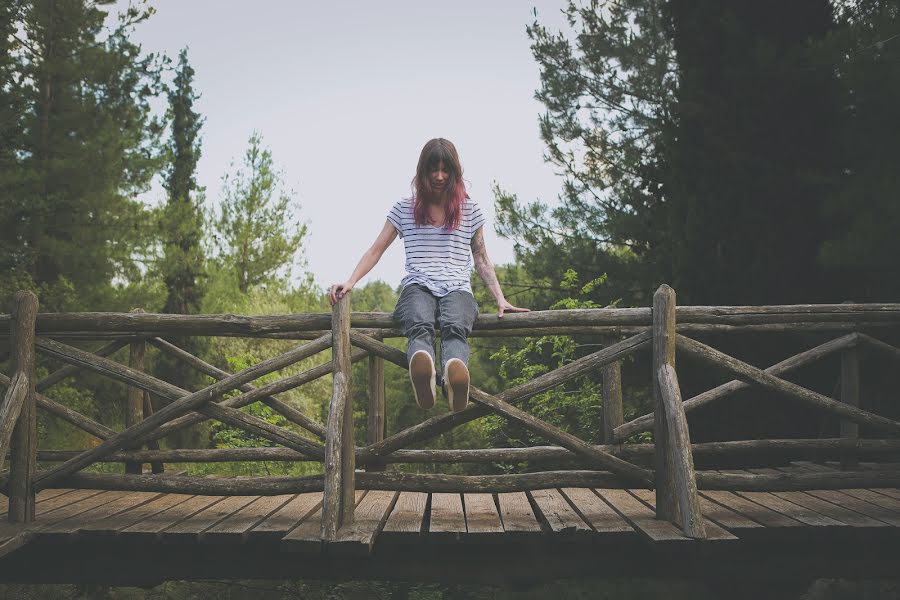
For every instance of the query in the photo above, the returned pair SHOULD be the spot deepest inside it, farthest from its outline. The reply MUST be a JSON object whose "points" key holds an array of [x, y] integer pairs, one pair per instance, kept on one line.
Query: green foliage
{"points": [[83, 144], [256, 233]]}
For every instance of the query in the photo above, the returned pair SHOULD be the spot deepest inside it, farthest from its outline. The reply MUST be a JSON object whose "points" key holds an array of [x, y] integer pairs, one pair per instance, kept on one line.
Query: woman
{"points": [[439, 226]]}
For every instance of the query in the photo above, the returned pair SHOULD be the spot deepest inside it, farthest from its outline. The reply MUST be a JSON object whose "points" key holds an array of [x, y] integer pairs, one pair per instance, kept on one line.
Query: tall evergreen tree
{"points": [[183, 265], [87, 146], [256, 232]]}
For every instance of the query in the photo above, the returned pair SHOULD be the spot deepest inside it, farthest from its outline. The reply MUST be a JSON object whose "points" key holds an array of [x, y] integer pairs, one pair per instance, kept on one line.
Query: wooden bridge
{"points": [[615, 508]]}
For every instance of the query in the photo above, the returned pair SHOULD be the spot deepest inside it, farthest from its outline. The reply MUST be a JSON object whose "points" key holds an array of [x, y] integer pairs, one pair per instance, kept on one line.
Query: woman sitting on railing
{"points": [[439, 226]]}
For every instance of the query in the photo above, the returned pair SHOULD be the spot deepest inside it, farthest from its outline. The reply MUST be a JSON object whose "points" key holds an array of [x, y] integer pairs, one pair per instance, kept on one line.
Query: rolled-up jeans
{"points": [[417, 311]]}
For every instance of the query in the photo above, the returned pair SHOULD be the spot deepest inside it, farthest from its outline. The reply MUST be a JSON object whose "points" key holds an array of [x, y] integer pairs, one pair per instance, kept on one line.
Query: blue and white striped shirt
{"points": [[438, 258]]}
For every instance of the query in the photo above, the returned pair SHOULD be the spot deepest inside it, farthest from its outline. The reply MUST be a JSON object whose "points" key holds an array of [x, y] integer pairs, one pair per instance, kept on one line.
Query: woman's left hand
{"points": [[504, 306]]}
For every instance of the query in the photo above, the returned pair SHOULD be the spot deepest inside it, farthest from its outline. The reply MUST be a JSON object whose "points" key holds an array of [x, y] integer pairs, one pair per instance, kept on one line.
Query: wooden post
{"points": [[663, 354], [156, 466], [376, 423], [134, 403], [340, 449], [690, 517], [23, 464], [850, 396], [613, 413]]}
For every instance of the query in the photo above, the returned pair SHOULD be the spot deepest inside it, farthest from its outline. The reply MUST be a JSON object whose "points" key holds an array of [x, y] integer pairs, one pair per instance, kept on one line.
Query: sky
{"points": [[346, 93]]}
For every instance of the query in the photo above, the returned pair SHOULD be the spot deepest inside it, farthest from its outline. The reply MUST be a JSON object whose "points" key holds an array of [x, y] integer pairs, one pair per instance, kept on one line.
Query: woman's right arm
{"points": [[368, 260]]}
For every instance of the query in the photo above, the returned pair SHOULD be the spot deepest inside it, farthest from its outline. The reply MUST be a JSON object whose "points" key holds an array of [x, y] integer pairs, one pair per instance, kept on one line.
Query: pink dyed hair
{"points": [[435, 152]]}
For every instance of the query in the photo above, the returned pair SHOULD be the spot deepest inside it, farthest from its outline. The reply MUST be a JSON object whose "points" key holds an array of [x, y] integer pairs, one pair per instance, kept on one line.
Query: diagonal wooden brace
{"points": [[564, 439], [439, 424], [134, 435], [759, 377]]}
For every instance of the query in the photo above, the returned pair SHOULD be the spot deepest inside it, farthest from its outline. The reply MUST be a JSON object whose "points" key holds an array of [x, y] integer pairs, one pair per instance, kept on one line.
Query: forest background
{"points": [[743, 152]]}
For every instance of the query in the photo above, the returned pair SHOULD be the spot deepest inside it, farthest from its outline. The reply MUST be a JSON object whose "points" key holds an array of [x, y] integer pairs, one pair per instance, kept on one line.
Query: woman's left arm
{"points": [[485, 269]]}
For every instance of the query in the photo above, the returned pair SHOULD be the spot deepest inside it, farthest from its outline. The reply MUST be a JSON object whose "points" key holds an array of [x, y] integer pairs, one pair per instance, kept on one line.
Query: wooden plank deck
{"points": [[410, 519]]}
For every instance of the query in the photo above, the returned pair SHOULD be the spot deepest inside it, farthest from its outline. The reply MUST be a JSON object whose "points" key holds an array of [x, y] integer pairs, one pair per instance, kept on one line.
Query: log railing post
{"points": [[663, 354], [134, 402], [340, 449], [613, 413], [24, 436], [376, 422], [850, 396], [690, 517]]}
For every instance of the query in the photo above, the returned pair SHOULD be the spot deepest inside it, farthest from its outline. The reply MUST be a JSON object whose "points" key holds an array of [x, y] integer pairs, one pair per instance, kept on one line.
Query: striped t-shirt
{"points": [[438, 258]]}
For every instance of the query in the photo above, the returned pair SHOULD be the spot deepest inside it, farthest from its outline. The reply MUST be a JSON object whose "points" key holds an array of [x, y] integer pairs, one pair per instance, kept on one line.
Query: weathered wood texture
{"points": [[198, 400], [332, 511], [645, 422], [375, 417], [771, 383], [120, 323], [23, 463], [850, 397], [69, 370], [690, 517], [663, 354], [223, 410], [286, 410], [563, 438], [613, 411], [776, 449], [67, 414], [134, 401], [9, 411]]}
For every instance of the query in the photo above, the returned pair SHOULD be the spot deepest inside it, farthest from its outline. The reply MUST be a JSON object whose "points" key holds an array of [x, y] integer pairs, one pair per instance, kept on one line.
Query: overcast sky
{"points": [[346, 94]]}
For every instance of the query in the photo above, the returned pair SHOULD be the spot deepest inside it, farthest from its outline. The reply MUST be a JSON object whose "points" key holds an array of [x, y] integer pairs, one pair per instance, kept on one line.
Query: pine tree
{"points": [[183, 265], [256, 233], [87, 146]]}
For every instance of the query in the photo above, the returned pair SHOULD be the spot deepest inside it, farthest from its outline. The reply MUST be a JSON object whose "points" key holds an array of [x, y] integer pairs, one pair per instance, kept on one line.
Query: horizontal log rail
{"points": [[161, 324], [787, 449]]}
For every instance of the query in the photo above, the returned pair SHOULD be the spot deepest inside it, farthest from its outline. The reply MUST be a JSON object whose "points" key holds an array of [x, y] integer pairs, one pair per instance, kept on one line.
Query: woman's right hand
{"points": [[338, 291]]}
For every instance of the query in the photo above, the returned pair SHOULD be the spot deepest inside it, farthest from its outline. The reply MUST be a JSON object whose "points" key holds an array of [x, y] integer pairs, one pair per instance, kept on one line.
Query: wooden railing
{"points": [[357, 336]]}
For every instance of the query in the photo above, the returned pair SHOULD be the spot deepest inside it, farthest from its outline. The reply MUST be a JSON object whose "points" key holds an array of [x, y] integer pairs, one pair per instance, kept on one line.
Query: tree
{"points": [[256, 232], [608, 91], [79, 97], [183, 265]]}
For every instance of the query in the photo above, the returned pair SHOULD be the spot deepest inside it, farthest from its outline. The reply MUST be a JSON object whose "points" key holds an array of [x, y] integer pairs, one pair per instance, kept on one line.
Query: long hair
{"points": [[436, 151]]}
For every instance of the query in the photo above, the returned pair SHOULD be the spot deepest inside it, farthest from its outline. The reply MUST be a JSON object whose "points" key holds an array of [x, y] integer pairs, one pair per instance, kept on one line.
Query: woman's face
{"points": [[438, 177]]}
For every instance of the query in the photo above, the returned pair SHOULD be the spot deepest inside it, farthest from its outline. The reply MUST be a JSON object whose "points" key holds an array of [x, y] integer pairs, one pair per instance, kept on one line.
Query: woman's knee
{"points": [[455, 330]]}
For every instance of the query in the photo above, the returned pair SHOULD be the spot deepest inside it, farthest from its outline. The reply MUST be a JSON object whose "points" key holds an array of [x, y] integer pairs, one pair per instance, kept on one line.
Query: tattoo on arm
{"points": [[483, 265]]}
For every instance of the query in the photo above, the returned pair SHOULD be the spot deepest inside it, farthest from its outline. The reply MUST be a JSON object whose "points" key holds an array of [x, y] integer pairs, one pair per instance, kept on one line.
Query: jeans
{"points": [[418, 309]]}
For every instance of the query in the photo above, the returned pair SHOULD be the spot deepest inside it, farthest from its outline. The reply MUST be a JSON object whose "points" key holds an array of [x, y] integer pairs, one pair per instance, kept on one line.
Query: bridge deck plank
{"points": [[448, 520], [113, 525], [789, 509], [714, 533], [482, 518], [154, 525], [602, 518], [69, 527], [307, 535], [556, 514], [874, 497], [770, 519], [868, 509], [824, 507], [517, 516], [276, 525], [190, 529], [232, 528], [368, 519], [407, 519], [643, 519]]}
